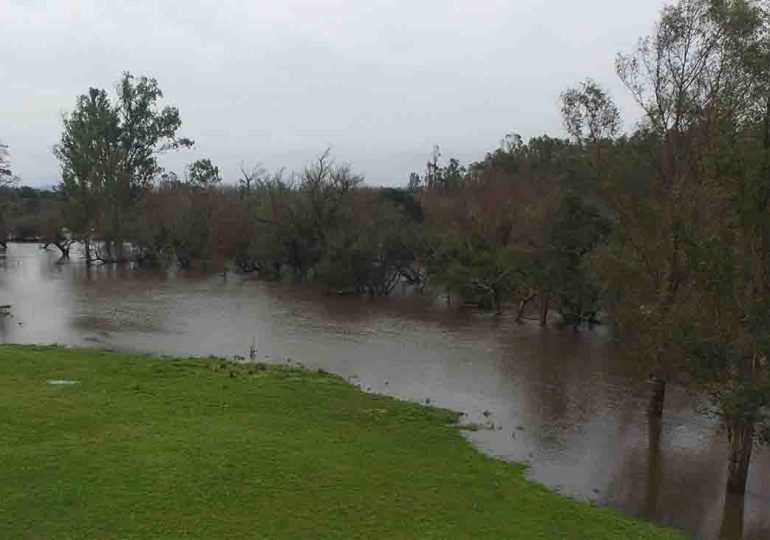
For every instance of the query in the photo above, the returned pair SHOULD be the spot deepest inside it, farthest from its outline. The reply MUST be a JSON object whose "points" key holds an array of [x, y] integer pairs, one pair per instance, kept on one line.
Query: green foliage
{"points": [[573, 232], [406, 201], [689, 263], [90, 155], [202, 174], [369, 251], [588, 113], [108, 154], [482, 272], [146, 129]]}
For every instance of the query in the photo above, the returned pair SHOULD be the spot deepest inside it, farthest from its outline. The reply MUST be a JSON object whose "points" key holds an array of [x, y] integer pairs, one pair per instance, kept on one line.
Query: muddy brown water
{"points": [[563, 402]]}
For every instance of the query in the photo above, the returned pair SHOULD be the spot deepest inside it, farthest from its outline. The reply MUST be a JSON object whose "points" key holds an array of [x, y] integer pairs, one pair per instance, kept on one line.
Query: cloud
{"points": [[266, 80]]}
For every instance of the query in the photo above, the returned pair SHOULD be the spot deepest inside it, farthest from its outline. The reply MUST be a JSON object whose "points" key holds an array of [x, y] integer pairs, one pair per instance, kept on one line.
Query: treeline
{"points": [[663, 231], [24, 212], [511, 230]]}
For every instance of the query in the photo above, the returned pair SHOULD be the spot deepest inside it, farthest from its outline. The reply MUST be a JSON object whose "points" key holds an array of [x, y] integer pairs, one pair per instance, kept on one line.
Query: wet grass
{"points": [[149, 447]]}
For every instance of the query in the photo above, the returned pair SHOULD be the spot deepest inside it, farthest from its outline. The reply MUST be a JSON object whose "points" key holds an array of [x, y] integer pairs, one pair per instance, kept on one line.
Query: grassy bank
{"points": [[147, 447]]}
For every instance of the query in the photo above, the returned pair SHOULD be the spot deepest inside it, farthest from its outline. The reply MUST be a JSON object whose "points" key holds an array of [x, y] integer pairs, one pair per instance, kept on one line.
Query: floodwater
{"points": [[559, 400]]}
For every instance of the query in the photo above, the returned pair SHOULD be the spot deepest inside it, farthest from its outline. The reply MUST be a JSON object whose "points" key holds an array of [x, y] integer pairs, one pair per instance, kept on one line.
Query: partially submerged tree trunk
{"points": [[654, 476], [544, 306], [64, 248], [497, 301], [523, 306], [657, 395], [741, 437], [87, 245]]}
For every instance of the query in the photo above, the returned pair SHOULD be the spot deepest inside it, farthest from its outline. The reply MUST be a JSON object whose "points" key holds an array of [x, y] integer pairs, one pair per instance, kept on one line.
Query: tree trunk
{"points": [[64, 249], [544, 304], [741, 437], [654, 469], [87, 244], [523, 306], [657, 395], [520, 312]]}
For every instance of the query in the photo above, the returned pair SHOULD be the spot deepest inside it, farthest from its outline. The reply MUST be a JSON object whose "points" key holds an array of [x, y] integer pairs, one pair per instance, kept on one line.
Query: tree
{"points": [[89, 153], [6, 179], [415, 182], [589, 114], [369, 250], [432, 169], [573, 231], [203, 174], [697, 271], [324, 188], [51, 229], [108, 154], [726, 337], [250, 177], [5, 166], [668, 76]]}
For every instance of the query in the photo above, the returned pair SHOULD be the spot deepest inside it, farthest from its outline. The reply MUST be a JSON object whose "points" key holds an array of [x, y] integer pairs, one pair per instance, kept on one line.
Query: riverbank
{"points": [[104, 445]]}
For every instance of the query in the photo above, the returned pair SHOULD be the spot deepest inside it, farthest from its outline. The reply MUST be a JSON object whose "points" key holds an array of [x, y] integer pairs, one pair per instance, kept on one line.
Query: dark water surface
{"points": [[560, 401]]}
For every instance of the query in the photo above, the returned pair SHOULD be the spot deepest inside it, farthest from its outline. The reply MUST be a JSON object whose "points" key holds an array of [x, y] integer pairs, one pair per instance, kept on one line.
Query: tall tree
{"points": [[697, 268], [108, 154], [6, 179], [667, 76]]}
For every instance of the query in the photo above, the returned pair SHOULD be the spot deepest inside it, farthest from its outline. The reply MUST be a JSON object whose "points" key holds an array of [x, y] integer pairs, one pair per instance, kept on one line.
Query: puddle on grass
{"points": [[62, 382]]}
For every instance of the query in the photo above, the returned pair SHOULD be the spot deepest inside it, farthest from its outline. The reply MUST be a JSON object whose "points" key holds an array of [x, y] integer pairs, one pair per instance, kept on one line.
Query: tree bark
{"points": [[741, 438], [657, 395]]}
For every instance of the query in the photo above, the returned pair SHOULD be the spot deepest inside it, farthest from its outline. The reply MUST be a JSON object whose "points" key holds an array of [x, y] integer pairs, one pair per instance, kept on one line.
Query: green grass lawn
{"points": [[149, 447]]}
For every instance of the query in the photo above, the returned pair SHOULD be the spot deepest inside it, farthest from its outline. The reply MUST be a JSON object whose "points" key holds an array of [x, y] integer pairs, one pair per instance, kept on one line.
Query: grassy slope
{"points": [[146, 447]]}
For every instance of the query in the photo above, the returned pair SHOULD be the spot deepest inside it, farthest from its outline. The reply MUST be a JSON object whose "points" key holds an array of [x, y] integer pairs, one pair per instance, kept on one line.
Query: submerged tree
{"points": [[6, 179], [690, 261], [668, 76], [108, 154]]}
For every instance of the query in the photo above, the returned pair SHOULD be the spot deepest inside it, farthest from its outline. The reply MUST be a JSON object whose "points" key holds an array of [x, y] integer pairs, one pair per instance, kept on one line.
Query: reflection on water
{"points": [[559, 400], [732, 519]]}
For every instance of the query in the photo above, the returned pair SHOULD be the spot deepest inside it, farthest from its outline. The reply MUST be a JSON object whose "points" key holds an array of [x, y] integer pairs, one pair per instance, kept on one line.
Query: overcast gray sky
{"points": [[277, 81]]}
